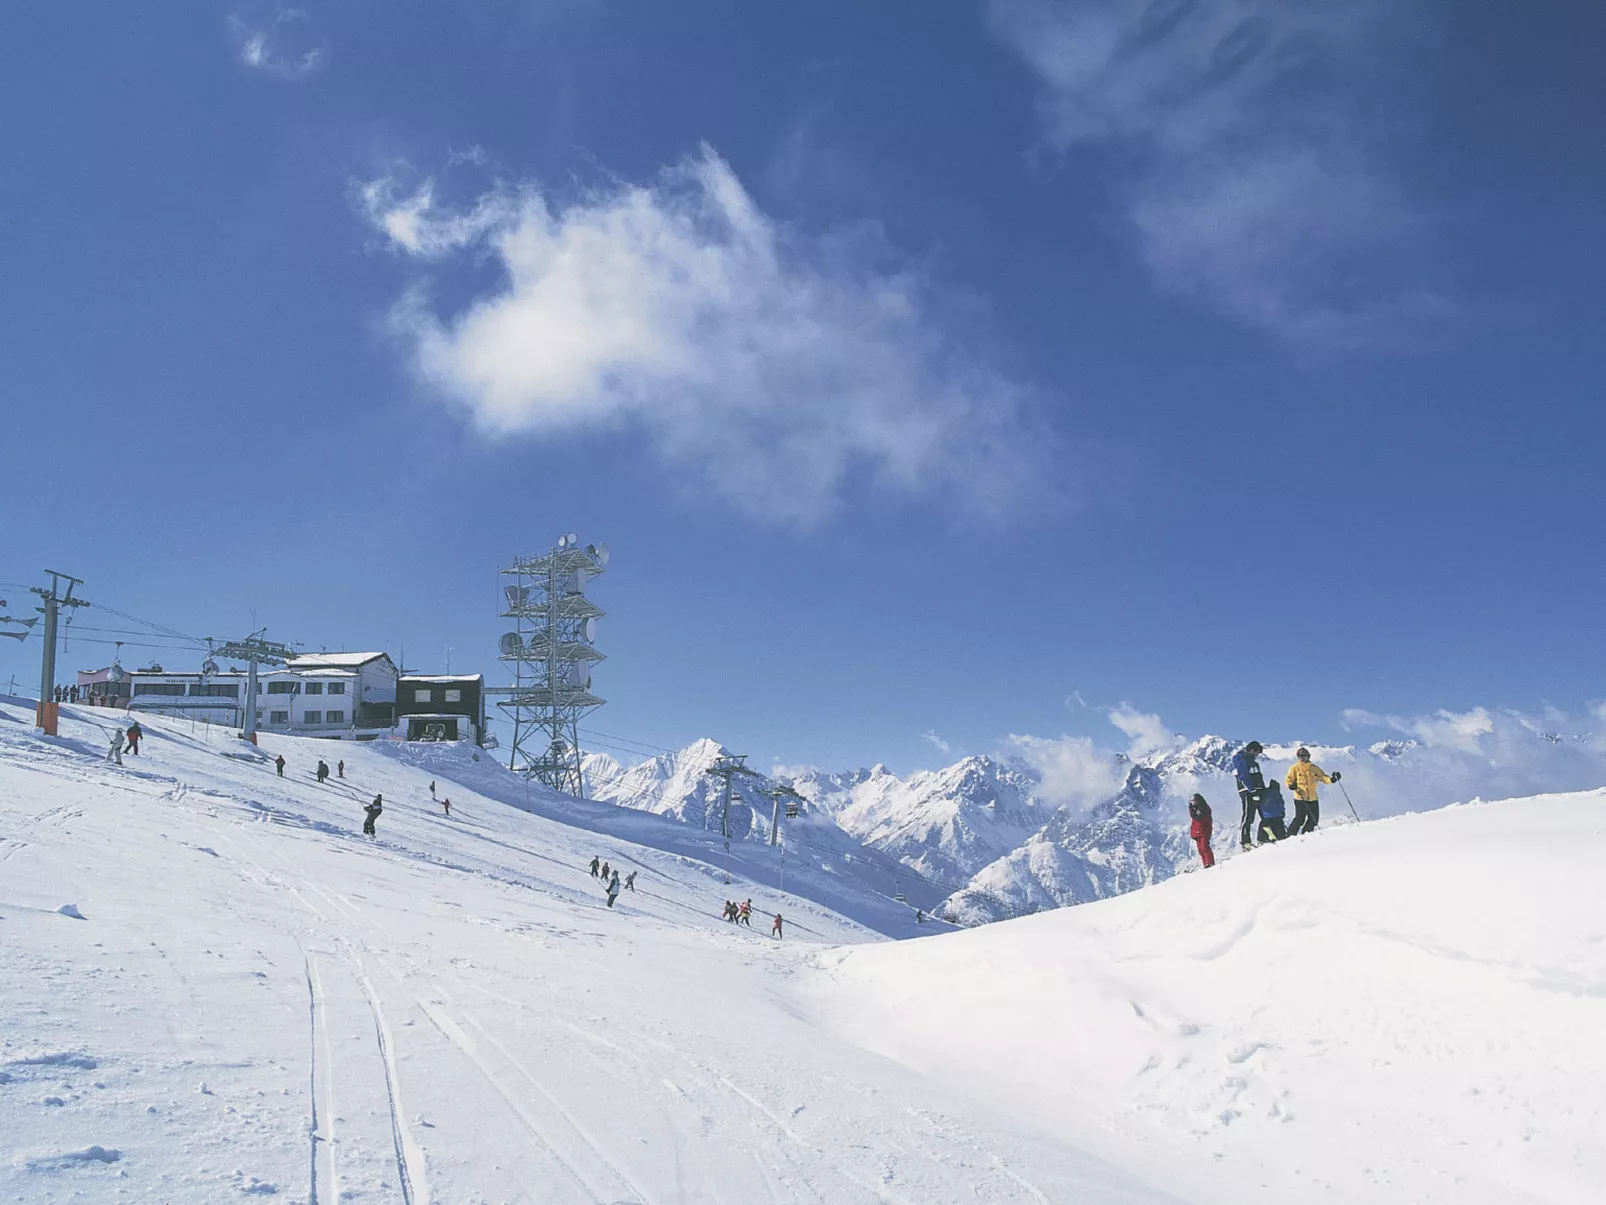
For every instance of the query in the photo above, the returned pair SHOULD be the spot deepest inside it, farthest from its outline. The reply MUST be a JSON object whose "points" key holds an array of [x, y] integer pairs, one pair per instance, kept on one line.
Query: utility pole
{"points": [[54, 601], [254, 650]]}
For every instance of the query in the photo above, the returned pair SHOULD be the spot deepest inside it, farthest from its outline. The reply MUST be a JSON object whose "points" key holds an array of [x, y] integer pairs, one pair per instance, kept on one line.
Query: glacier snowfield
{"points": [[214, 988]]}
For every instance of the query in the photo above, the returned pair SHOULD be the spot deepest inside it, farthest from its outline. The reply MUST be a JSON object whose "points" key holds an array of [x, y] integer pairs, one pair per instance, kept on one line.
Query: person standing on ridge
{"points": [[1302, 778], [279, 762], [1200, 830], [1251, 785], [1271, 814], [371, 813]]}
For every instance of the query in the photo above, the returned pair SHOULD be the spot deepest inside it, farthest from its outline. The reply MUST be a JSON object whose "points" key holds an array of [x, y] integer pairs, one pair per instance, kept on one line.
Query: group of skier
{"points": [[1263, 800], [742, 914], [125, 739], [611, 883]]}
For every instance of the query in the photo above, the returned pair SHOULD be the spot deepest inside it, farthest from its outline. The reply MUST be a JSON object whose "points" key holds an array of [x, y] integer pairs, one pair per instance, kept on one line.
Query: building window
{"points": [[334, 717], [337, 688], [283, 688], [314, 688], [215, 690], [278, 717], [454, 696], [158, 688], [312, 717], [421, 696]]}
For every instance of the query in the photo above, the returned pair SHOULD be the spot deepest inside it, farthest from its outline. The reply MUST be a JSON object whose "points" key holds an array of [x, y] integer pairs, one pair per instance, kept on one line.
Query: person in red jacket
{"points": [[1200, 831]]}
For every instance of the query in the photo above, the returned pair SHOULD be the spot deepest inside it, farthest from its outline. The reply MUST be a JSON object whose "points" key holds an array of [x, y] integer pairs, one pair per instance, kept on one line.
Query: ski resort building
{"points": [[448, 707], [207, 699], [342, 696]]}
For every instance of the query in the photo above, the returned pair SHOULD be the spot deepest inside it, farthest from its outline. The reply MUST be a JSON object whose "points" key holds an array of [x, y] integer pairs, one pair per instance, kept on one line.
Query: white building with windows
{"points": [[342, 696], [214, 699]]}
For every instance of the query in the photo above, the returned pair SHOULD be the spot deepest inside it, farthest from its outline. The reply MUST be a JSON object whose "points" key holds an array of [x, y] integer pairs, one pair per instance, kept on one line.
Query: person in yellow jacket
{"points": [[1302, 778]]}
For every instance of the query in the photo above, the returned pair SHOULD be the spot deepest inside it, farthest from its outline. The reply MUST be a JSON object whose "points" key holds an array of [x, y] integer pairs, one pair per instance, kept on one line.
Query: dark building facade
{"points": [[447, 707]]}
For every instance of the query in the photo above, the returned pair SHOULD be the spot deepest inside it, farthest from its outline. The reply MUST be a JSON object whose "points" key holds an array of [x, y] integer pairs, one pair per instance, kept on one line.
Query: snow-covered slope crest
{"points": [[1406, 1010]]}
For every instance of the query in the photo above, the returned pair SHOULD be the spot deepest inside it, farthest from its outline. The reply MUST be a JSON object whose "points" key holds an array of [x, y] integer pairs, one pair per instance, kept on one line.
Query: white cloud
{"points": [[1463, 731], [776, 369], [1145, 730], [1074, 770], [1254, 183], [943, 746], [283, 45]]}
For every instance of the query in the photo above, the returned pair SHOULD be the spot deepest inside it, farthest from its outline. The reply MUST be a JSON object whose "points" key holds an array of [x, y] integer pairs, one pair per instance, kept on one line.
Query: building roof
{"points": [[442, 679], [296, 671], [334, 660]]}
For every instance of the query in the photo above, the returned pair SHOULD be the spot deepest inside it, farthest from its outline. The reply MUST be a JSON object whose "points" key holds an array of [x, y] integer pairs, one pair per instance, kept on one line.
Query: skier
{"points": [[775, 929], [323, 771], [1271, 814], [730, 911], [279, 762], [1203, 824], [340, 769], [116, 751], [371, 813], [1251, 783], [135, 735], [605, 874], [595, 862], [920, 916], [630, 880], [1302, 778], [447, 804], [432, 788], [745, 913], [613, 890]]}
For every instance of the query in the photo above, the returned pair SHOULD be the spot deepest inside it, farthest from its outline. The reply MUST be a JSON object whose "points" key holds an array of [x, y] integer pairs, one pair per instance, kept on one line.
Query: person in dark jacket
{"points": [[595, 862], [135, 735], [279, 762], [371, 813], [775, 927], [1271, 814], [1200, 830], [1251, 785], [340, 769], [323, 771], [630, 880], [606, 873], [613, 890]]}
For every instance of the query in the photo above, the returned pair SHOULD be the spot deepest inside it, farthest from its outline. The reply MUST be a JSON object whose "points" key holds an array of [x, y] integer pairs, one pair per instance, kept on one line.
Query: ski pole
{"points": [[1352, 810]]}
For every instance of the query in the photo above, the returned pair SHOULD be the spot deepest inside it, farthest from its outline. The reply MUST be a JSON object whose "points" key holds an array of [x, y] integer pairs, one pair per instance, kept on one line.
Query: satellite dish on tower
{"points": [[602, 554], [510, 643], [571, 540], [589, 631]]}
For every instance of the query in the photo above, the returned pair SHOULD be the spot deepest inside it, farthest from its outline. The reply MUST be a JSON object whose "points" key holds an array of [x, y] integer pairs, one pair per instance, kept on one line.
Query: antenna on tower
{"points": [[551, 651]]}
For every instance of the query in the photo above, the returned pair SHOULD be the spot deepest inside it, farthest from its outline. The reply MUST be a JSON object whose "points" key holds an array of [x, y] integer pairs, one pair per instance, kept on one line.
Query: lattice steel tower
{"points": [[552, 650]]}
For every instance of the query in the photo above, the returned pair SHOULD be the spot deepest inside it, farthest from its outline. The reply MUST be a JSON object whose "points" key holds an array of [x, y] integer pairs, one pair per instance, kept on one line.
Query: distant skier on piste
{"points": [[630, 881], [1251, 784], [1271, 814], [371, 813], [1201, 828], [279, 762], [135, 735], [115, 753], [775, 927], [595, 862], [613, 888], [1302, 778], [323, 771]]}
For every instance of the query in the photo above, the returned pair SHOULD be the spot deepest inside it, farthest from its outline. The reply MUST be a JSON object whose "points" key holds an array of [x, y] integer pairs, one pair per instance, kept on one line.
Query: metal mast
{"points": [[255, 650], [551, 650], [54, 601]]}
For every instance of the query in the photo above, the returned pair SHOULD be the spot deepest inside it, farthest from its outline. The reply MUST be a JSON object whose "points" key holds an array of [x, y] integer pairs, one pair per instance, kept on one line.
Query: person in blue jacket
{"points": [[1251, 786], [1271, 814]]}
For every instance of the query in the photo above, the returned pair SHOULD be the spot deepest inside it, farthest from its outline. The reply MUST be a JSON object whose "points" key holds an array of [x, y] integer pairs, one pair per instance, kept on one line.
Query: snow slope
{"points": [[1407, 1010], [213, 988]]}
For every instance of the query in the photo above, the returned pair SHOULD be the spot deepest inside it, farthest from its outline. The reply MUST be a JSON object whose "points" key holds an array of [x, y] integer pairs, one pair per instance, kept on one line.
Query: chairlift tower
{"points": [[552, 649]]}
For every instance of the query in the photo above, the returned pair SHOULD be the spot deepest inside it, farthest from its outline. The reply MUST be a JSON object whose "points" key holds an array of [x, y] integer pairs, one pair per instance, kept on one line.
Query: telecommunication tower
{"points": [[552, 651]]}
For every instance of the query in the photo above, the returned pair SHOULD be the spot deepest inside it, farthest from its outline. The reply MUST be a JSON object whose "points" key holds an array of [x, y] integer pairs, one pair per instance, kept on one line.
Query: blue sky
{"points": [[964, 370]]}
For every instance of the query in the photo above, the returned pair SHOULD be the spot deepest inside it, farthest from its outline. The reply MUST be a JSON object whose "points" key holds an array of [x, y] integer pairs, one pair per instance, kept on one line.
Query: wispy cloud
{"points": [[283, 44], [1074, 771], [1250, 169], [1145, 731], [778, 369], [942, 746]]}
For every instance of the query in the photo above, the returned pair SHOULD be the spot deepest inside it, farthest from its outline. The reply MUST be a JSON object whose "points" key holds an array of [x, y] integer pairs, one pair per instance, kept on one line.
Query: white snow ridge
{"points": [[254, 1001]]}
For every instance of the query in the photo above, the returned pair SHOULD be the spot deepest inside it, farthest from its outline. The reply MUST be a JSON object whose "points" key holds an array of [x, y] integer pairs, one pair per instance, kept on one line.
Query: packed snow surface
{"points": [[213, 987]]}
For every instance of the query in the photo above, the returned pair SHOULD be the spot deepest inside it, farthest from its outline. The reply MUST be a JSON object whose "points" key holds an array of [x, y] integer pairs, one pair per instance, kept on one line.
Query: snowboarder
{"points": [[605, 872], [323, 771], [775, 929], [1271, 814], [371, 813], [745, 913], [447, 804], [135, 735], [279, 762], [613, 890], [340, 769], [1251, 784], [1302, 778], [116, 751], [1203, 823], [630, 880], [595, 862]]}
